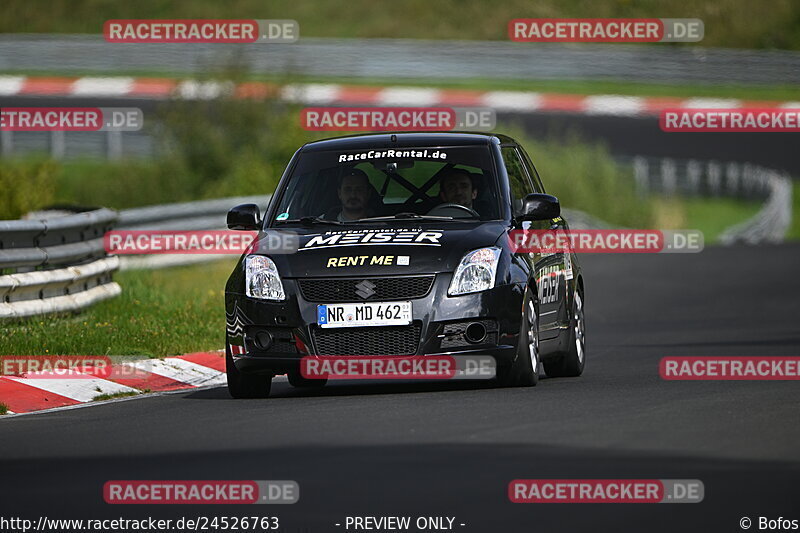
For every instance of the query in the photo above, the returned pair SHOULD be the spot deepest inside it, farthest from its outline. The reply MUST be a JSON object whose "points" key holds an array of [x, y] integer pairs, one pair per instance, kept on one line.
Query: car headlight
{"points": [[261, 278], [476, 272]]}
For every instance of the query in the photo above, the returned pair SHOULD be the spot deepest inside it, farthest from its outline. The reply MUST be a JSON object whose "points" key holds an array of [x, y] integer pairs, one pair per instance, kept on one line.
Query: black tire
{"points": [[246, 385], [572, 363], [524, 370], [297, 380]]}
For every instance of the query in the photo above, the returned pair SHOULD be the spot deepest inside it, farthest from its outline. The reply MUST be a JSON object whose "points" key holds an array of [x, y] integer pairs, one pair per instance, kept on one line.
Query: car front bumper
{"points": [[438, 327]]}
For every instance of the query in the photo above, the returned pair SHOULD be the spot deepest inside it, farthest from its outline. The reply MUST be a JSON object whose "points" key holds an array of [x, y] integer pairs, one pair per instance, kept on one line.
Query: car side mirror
{"points": [[244, 217], [539, 206]]}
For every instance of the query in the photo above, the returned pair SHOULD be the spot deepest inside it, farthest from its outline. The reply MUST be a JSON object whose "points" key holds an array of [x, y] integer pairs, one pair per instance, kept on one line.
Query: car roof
{"points": [[406, 139]]}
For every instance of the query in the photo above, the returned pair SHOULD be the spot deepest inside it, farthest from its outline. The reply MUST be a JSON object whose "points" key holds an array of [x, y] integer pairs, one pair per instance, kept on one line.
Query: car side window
{"points": [[534, 174], [518, 180]]}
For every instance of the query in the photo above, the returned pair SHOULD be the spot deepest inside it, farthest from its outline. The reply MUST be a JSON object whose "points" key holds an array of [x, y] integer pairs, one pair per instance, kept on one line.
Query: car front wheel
{"points": [[246, 385], [524, 371], [571, 364]]}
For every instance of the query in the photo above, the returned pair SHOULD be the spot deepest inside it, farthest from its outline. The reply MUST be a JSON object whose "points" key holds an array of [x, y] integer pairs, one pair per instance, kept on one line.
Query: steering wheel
{"points": [[442, 210]]}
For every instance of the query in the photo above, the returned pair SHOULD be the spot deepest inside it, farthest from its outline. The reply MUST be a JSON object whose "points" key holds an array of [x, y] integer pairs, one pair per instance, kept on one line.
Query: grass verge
{"points": [[3, 409], [712, 216], [585, 177], [113, 396], [794, 229], [160, 313]]}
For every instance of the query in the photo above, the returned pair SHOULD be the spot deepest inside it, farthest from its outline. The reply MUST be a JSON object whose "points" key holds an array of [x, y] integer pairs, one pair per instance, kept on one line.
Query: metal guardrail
{"points": [[772, 222], [55, 264], [408, 58], [210, 215], [691, 177], [111, 145], [687, 177], [77, 273], [581, 220], [202, 215], [55, 241], [681, 177]]}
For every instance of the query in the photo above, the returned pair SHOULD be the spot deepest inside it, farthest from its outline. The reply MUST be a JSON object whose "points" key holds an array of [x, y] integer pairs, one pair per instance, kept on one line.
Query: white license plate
{"points": [[364, 314]]}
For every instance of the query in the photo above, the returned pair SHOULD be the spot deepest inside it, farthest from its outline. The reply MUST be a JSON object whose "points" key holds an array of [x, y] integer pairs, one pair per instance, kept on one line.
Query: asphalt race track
{"points": [[451, 449], [630, 136]]}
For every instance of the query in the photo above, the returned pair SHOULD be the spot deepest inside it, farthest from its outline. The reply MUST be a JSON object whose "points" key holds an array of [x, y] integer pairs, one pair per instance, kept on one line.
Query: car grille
{"points": [[392, 340], [345, 290]]}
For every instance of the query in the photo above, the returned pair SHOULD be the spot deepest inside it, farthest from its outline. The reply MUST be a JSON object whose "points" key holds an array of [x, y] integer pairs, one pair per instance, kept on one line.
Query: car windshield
{"points": [[352, 186]]}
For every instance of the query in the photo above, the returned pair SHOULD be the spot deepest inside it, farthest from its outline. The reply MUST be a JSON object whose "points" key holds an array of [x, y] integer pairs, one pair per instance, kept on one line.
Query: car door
{"points": [[549, 268]]}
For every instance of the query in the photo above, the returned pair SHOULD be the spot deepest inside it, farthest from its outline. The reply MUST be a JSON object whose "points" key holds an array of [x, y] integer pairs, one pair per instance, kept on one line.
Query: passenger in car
{"points": [[457, 186], [357, 196]]}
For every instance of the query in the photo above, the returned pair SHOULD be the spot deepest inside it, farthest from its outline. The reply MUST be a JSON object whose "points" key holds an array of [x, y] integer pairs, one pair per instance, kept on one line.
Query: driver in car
{"points": [[355, 192], [456, 186]]}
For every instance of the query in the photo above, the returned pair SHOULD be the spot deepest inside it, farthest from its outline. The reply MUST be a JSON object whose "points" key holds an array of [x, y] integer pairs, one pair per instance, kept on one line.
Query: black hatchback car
{"points": [[398, 244]]}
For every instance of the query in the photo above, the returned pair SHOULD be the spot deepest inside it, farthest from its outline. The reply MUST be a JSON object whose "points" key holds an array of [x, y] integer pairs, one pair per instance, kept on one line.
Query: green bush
{"points": [[232, 147], [729, 23], [126, 183], [25, 185], [212, 149], [241, 147], [584, 176]]}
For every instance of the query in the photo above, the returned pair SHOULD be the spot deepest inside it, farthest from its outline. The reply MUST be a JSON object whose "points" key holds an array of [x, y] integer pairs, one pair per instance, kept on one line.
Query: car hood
{"points": [[390, 249]]}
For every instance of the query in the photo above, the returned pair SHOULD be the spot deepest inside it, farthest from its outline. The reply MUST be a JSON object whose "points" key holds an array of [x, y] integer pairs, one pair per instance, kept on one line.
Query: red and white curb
{"points": [[38, 391], [335, 94]]}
